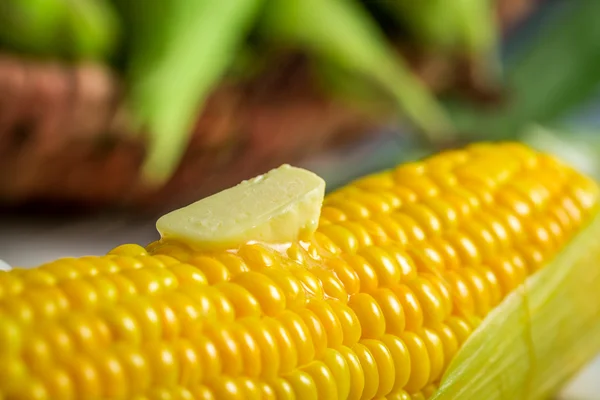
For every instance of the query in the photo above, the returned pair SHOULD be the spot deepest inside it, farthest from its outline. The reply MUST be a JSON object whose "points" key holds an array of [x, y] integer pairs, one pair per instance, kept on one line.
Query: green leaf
{"points": [[77, 29], [551, 75], [180, 52], [447, 26], [539, 336], [344, 34], [95, 28]]}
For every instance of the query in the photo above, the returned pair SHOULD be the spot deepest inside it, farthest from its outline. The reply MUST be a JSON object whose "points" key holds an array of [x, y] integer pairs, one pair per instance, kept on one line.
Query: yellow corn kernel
{"points": [[376, 304]]}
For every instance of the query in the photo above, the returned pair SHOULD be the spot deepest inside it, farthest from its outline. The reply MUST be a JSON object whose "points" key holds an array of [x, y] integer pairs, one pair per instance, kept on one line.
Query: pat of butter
{"points": [[280, 206]]}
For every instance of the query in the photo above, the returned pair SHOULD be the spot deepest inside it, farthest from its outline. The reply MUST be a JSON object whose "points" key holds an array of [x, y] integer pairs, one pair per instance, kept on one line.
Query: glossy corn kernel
{"points": [[404, 266]]}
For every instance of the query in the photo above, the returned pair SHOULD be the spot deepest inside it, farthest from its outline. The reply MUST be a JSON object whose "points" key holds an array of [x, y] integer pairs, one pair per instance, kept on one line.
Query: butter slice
{"points": [[280, 206]]}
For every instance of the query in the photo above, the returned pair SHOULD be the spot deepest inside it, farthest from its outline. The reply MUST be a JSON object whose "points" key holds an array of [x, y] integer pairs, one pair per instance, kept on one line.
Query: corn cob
{"points": [[375, 304]]}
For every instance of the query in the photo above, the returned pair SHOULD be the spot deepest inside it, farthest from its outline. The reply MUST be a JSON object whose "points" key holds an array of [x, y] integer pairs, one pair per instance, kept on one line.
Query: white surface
{"points": [[586, 386], [4, 266], [27, 243]]}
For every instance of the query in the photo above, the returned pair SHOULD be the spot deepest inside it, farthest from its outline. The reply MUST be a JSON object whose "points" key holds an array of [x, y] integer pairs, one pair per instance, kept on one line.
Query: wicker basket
{"points": [[65, 136]]}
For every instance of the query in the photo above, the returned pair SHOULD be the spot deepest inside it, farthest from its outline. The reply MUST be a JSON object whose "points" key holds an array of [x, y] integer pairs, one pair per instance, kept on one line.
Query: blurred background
{"points": [[112, 113]]}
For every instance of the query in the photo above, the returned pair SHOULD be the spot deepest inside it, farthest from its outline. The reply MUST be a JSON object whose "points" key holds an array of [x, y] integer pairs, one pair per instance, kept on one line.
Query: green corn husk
{"points": [[433, 22], [343, 85], [553, 73], [541, 334], [462, 32], [343, 34], [476, 22], [178, 56], [463, 25], [77, 29], [95, 28]]}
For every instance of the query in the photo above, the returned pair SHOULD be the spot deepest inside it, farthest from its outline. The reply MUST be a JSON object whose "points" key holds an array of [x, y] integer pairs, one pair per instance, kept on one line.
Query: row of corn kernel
{"points": [[381, 193], [422, 368], [370, 367], [563, 238], [488, 274], [422, 372], [132, 323], [367, 357], [365, 352]]}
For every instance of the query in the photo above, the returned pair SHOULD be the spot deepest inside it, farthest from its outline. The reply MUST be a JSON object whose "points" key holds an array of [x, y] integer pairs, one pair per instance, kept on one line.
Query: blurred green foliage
{"points": [[172, 53], [553, 72]]}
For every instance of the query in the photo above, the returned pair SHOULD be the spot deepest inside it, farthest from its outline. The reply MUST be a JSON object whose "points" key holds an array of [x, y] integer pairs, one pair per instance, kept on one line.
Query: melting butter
{"points": [[280, 206]]}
